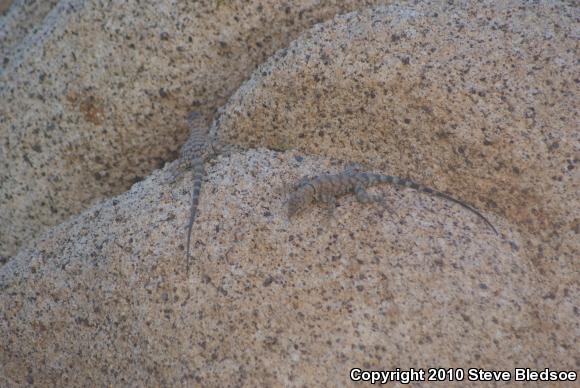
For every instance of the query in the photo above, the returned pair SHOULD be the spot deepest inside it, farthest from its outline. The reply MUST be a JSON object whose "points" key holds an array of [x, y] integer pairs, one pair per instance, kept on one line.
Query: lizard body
{"points": [[325, 188], [194, 153]]}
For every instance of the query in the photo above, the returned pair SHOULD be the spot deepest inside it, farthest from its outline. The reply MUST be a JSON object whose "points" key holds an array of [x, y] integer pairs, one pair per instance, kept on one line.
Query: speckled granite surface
{"points": [[104, 298], [19, 19], [481, 101], [97, 97], [4, 6]]}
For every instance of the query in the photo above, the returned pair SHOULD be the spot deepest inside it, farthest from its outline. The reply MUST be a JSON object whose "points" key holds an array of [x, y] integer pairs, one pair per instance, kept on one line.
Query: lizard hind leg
{"points": [[364, 197], [329, 202]]}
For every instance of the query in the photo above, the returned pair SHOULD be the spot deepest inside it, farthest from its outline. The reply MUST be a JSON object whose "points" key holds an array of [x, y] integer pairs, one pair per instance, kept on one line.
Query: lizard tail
{"points": [[443, 195], [416, 186], [198, 173]]}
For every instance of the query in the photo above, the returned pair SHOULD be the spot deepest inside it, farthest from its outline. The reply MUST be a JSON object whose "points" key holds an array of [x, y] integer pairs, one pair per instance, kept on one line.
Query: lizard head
{"points": [[300, 199]]}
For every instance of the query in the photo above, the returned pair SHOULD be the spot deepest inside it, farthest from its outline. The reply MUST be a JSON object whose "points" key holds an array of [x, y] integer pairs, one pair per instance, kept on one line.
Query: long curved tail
{"points": [[421, 188], [473, 210]]}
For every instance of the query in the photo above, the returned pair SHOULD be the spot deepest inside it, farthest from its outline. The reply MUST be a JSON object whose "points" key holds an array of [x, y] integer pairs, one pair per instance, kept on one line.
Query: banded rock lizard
{"points": [[325, 188], [193, 155]]}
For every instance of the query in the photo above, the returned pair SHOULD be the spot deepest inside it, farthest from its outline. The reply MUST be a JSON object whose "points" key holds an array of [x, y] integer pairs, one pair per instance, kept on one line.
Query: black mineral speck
{"points": [[550, 295]]}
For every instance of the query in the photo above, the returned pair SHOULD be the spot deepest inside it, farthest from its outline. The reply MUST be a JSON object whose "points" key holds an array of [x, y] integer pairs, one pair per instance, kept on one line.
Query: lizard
{"points": [[193, 155], [325, 188]]}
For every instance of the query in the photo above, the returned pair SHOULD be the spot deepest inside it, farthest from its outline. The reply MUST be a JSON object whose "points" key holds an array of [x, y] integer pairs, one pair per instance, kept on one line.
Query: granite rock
{"points": [[478, 99], [18, 20], [105, 299], [96, 96]]}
